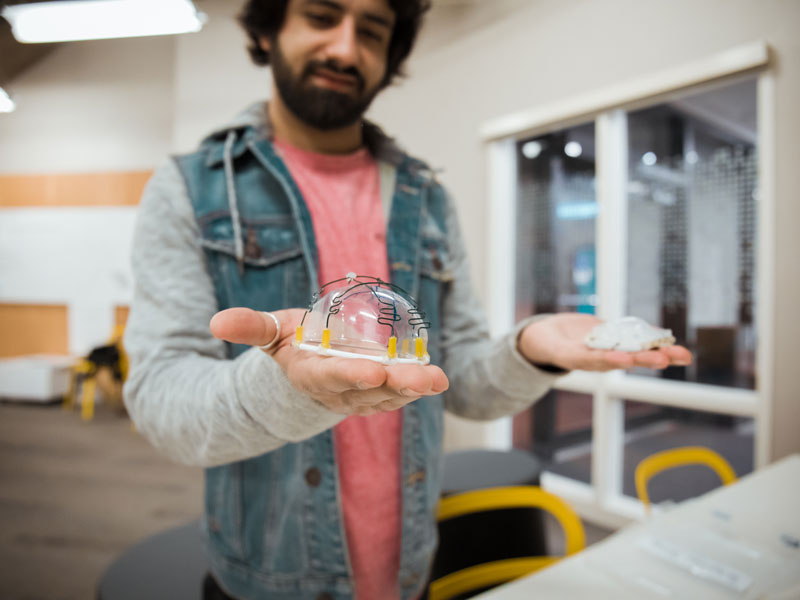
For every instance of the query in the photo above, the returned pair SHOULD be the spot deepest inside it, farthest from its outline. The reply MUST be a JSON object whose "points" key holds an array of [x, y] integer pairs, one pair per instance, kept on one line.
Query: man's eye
{"points": [[372, 34], [321, 19]]}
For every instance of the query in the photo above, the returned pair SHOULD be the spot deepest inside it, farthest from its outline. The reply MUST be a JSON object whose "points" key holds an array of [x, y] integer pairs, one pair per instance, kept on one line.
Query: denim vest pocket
{"points": [[271, 274], [266, 240]]}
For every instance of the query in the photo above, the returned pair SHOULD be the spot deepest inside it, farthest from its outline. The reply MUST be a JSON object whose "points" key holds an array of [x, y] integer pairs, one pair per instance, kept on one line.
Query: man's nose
{"points": [[343, 46]]}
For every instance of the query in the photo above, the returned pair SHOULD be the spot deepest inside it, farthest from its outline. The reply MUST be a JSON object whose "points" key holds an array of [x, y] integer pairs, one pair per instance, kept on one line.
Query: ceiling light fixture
{"points": [[573, 149], [71, 20], [6, 103], [532, 149]]}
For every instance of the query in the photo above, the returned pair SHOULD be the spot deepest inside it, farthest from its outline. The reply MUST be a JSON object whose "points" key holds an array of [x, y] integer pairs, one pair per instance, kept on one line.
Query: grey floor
{"points": [[75, 495]]}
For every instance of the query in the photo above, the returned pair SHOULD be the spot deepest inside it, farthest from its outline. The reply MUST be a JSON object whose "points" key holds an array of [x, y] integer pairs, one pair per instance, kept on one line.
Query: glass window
{"points": [[555, 271], [691, 228], [556, 210], [558, 430], [650, 428]]}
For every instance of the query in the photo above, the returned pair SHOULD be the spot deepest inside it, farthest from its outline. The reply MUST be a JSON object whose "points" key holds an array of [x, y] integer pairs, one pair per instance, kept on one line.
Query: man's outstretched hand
{"points": [[558, 340], [344, 385]]}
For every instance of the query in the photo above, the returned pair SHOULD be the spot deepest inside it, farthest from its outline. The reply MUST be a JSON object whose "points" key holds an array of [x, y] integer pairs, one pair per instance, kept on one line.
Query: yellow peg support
{"points": [[392, 349], [419, 347], [298, 336], [326, 338], [404, 347]]}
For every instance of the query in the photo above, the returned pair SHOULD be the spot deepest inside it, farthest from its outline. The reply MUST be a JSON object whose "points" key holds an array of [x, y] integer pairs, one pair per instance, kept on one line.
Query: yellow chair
{"points": [[677, 457], [85, 375], [485, 575]]}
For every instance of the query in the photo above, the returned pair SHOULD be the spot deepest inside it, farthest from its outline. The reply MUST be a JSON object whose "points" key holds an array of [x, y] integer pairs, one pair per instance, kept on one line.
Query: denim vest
{"points": [[274, 522]]}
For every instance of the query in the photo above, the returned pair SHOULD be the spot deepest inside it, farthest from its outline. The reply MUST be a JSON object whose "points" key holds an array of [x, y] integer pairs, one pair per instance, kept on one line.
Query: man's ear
{"points": [[263, 43]]}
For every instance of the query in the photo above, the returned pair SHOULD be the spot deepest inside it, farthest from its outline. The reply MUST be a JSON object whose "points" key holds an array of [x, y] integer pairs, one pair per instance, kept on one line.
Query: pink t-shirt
{"points": [[343, 195]]}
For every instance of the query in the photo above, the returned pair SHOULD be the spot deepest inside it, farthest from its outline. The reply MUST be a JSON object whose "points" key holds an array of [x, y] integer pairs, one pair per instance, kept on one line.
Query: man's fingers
{"points": [[243, 326], [651, 359], [581, 357], [662, 358], [364, 382], [403, 385], [678, 355], [334, 375], [416, 380], [250, 327], [604, 360]]}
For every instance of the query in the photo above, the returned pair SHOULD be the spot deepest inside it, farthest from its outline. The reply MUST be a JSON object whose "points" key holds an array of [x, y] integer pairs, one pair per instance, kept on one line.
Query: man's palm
{"points": [[344, 385], [559, 340]]}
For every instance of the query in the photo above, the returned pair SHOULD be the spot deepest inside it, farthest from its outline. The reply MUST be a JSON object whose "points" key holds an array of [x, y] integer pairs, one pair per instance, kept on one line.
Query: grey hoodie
{"points": [[201, 408]]}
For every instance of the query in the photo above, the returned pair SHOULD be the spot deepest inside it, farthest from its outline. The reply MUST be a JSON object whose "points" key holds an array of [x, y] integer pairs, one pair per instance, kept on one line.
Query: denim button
{"points": [[415, 477], [252, 249], [325, 596], [313, 476]]}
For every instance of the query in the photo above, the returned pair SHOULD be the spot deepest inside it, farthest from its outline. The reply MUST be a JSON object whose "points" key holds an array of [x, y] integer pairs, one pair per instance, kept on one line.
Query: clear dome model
{"points": [[364, 317]]}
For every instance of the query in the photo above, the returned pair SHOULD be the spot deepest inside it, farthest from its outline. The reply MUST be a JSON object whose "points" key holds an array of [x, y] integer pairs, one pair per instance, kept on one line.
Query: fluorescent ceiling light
{"points": [[6, 103], [70, 20]]}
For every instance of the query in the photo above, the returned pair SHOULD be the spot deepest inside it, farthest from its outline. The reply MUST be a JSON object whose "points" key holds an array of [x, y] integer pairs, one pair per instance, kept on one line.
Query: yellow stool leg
{"points": [[87, 399], [69, 397]]}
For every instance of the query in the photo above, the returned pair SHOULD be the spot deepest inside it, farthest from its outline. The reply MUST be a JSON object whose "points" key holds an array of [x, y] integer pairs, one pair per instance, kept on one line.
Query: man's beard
{"points": [[318, 107]]}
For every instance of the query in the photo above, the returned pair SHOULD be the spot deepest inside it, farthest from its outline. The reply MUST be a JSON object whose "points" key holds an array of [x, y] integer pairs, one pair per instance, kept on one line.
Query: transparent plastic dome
{"points": [[364, 317]]}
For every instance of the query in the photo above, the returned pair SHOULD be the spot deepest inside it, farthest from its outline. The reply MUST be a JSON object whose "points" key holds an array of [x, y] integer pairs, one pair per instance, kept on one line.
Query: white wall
{"points": [[214, 77], [92, 106], [72, 256], [88, 107]]}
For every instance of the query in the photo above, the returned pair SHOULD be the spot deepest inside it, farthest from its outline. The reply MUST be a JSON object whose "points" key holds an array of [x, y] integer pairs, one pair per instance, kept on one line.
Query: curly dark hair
{"points": [[265, 17]]}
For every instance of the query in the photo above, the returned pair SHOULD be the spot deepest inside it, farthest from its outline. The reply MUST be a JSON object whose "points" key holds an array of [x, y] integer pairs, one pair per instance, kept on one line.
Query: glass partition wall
{"points": [[651, 212]]}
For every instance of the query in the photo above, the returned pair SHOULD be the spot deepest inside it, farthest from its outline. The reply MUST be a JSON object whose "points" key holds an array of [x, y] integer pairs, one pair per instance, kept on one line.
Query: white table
{"points": [[740, 541], [35, 377]]}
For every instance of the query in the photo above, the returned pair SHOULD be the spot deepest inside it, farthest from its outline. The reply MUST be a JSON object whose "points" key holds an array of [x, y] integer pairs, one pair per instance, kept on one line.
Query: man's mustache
{"points": [[331, 65]]}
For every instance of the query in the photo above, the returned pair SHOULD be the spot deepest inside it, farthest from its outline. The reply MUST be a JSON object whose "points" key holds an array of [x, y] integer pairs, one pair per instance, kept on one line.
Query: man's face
{"points": [[329, 58]]}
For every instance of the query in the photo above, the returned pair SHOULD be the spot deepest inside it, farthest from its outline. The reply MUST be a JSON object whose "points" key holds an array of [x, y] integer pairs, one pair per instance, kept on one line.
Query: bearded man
{"points": [[322, 473]]}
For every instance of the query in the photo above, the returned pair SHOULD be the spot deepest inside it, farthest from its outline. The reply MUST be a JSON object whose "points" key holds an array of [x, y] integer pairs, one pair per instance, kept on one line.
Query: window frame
{"points": [[602, 501]]}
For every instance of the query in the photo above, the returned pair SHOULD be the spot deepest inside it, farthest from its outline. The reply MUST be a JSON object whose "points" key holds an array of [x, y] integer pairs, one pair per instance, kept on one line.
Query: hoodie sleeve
{"points": [[488, 378], [182, 392]]}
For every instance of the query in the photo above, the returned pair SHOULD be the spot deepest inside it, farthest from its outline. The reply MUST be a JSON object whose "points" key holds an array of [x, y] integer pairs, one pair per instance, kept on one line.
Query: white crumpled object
{"points": [[628, 334]]}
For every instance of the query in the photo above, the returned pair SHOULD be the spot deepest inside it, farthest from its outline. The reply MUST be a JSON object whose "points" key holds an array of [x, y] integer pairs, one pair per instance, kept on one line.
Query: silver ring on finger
{"points": [[269, 345]]}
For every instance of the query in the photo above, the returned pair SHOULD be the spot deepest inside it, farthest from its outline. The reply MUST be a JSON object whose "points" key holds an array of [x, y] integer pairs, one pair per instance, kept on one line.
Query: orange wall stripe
{"points": [[33, 329], [73, 189]]}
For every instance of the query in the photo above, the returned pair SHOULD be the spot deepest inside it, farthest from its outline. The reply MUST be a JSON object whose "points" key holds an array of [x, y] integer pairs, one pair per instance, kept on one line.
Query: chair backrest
{"points": [[677, 457], [501, 571]]}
